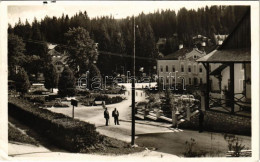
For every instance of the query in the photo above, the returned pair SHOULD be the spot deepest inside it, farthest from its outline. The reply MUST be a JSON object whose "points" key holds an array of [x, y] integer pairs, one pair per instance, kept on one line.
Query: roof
{"points": [[228, 55], [236, 48], [176, 55], [218, 70]]}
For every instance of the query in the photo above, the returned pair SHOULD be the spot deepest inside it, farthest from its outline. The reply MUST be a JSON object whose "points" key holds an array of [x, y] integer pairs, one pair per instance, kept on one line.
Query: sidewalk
{"points": [[29, 152]]}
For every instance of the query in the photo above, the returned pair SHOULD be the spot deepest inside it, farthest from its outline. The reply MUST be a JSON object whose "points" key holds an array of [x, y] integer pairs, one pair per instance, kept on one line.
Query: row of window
{"points": [[182, 68], [195, 81]]}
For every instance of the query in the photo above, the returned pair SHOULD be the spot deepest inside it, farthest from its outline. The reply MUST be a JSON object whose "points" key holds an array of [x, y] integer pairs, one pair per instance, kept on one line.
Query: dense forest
{"points": [[116, 35]]}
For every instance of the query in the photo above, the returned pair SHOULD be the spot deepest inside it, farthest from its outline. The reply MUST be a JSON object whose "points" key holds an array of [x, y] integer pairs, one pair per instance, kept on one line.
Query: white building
{"points": [[181, 65]]}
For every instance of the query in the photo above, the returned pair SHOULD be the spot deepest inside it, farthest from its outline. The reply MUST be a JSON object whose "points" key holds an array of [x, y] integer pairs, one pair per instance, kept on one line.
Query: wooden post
{"points": [[207, 87], [232, 87], [73, 111], [174, 119]]}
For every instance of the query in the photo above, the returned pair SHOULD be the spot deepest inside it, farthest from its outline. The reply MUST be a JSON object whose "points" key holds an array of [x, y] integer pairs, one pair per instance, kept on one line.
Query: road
{"points": [[150, 134]]}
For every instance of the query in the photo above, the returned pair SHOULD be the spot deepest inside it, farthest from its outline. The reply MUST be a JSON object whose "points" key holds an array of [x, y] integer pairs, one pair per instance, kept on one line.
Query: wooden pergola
{"points": [[228, 58]]}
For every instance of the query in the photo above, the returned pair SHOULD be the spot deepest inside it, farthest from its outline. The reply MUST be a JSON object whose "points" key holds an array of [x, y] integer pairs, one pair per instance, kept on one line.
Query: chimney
{"points": [[180, 46]]}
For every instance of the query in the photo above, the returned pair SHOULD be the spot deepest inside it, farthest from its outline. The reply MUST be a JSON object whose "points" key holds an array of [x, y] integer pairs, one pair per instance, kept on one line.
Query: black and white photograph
{"points": [[107, 80]]}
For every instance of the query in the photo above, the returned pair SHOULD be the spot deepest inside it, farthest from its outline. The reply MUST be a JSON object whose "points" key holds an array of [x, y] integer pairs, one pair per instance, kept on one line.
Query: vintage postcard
{"points": [[130, 80]]}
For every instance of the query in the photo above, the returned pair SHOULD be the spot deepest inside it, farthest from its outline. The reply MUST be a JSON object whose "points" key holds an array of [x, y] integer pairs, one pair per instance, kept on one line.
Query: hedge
{"points": [[70, 134]]}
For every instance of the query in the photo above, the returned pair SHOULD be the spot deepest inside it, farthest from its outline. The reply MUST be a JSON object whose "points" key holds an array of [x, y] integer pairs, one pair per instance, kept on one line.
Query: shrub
{"points": [[234, 144], [190, 151], [38, 99], [109, 100], [63, 131]]}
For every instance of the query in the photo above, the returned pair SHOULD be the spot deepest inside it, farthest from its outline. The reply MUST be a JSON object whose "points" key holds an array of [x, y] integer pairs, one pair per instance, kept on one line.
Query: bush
{"points": [[109, 100], [37, 99], [190, 151], [59, 104], [234, 144], [70, 134]]}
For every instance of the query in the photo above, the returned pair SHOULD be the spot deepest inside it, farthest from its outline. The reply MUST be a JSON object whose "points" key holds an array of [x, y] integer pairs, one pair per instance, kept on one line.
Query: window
{"points": [[166, 68], [195, 68], [161, 68], [189, 69], [195, 81], [200, 69], [59, 68], [182, 68], [195, 56], [189, 80], [173, 68]]}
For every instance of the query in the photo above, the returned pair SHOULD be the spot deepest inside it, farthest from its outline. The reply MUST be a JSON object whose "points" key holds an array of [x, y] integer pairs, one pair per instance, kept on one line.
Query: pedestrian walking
{"points": [[106, 116], [201, 120], [115, 114]]}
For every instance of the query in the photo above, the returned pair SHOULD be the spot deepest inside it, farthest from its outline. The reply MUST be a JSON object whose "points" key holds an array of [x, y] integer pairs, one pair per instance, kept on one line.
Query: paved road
{"points": [[148, 133]]}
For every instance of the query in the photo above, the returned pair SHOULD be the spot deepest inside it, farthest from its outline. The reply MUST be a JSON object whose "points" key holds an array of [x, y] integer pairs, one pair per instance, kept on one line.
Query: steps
{"points": [[141, 114]]}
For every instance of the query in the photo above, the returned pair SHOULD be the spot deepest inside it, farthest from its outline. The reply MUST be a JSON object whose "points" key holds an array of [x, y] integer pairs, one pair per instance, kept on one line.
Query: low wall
{"points": [[220, 122]]}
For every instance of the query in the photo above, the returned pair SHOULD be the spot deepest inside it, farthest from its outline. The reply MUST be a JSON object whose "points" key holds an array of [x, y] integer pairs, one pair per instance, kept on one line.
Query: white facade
{"points": [[184, 67]]}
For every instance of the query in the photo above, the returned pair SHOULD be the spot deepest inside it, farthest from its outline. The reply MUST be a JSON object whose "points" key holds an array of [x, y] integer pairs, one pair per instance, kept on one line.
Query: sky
{"points": [[118, 9]]}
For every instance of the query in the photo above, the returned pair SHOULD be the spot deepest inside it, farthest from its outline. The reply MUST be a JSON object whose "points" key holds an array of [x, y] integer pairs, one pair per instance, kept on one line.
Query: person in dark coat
{"points": [[115, 114], [106, 116], [201, 120]]}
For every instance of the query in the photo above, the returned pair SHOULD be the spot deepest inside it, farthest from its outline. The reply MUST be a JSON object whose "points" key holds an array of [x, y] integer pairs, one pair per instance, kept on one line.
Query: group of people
{"points": [[115, 114]]}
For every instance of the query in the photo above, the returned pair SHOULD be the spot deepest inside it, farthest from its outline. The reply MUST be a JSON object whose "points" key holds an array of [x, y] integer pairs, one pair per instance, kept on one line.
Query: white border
{"points": [[255, 82]]}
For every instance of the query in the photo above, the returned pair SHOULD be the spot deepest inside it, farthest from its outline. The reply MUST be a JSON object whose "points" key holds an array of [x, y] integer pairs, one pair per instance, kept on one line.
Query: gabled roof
{"points": [[176, 55], [237, 46], [228, 55]]}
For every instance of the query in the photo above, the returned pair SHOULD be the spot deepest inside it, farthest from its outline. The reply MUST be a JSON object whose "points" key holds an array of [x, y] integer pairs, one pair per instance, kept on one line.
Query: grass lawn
{"points": [[16, 135]]}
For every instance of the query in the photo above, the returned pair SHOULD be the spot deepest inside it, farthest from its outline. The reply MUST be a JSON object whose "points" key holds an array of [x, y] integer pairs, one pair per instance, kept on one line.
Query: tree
{"points": [[66, 83], [51, 77], [81, 49], [16, 56], [22, 83], [32, 65]]}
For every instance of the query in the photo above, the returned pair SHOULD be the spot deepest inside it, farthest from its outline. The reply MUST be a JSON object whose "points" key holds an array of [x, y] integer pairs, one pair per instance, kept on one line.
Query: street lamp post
{"points": [[133, 95]]}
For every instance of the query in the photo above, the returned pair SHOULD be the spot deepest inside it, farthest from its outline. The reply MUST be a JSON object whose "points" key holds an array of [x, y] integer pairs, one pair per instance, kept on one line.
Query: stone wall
{"points": [[220, 122]]}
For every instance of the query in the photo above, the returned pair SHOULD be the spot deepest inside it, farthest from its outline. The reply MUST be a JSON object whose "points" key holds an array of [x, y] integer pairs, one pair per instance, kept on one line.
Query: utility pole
{"points": [[133, 94]]}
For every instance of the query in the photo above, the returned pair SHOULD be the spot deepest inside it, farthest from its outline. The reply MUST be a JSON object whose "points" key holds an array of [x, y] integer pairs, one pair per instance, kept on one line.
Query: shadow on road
{"points": [[174, 142]]}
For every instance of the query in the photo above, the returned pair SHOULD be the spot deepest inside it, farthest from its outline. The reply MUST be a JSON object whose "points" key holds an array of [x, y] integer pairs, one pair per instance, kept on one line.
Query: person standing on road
{"points": [[106, 116], [115, 114], [201, 120]]}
